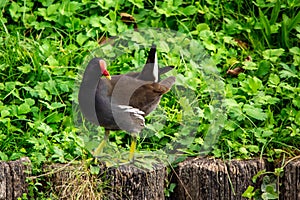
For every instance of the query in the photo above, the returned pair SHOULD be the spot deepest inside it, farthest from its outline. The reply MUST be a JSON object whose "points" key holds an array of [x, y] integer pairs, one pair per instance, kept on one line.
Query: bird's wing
{"points": [[168, 82], [147, 96], [165, 69], [150, 71], [160, 72], [128, 118]]}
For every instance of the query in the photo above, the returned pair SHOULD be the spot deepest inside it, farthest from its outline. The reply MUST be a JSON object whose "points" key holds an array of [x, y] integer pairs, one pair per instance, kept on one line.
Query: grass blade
{"points": [[294, 22], [284, 31], [266, 25], [275, 12]]}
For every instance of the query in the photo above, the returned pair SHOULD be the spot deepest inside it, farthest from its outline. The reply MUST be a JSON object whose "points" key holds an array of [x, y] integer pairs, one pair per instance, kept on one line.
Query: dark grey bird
{"points": [[121, 102]]}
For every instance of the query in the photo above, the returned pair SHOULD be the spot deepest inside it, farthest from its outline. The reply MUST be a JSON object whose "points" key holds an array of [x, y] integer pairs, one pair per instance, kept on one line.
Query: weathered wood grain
{"points": [[206, 178], [13, 178], [123, 182], [290, 182], [130, 182], [196, 178]]}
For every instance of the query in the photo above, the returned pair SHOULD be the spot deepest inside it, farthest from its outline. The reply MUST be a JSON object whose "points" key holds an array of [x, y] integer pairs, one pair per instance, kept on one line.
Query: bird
{"points": [[121, 102]]}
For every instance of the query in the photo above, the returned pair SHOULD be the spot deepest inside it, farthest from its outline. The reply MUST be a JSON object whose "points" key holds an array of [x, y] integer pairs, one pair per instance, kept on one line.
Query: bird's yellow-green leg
{"points": [[99, 149], [132, 148]]}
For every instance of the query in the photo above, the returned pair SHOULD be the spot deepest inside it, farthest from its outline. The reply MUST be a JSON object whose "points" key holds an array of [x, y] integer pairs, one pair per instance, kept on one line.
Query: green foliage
{"points": [[45, 42], [269, 188]]}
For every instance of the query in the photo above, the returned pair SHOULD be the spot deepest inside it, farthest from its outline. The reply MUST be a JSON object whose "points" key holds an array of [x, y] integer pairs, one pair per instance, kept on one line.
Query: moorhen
{"points": [[121, 102]]}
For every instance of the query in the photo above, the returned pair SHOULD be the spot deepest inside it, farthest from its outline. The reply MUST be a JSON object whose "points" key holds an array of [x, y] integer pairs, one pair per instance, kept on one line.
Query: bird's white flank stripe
{"points": [[139, 117], [131, 109]]}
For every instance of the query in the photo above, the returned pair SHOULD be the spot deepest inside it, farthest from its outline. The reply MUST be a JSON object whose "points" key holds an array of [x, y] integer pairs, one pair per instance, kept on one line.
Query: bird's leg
{"points": [[132, 148], [99, 149]]}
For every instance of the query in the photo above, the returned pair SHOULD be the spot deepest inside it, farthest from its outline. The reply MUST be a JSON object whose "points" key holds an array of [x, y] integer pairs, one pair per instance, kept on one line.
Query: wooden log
{"points": [[123, 182], [130, 182], [13, 178], [290, 187], [205, 178]]}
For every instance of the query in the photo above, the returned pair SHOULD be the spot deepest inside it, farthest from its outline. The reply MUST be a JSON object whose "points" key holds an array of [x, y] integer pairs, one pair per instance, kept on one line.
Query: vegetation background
{"points": [[254, 44]]}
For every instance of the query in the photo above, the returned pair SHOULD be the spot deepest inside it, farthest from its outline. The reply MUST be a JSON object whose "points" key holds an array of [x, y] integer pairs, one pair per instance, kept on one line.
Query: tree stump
{"points": [[123, 182], [13, 178], [205, 178], [130, 182], [290, 188]]}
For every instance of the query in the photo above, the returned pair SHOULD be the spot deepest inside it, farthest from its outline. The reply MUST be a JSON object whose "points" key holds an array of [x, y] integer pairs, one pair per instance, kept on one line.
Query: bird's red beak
{"points": [[108, 77], [106, 74]]}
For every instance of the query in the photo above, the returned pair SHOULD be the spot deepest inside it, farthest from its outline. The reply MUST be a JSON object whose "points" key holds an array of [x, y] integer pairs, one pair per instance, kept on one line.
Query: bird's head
{"points": [[103, 69]]}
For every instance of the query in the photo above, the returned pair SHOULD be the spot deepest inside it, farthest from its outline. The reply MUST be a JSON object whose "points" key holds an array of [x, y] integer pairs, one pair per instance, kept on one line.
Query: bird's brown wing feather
{"points": [[147, 97]]}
